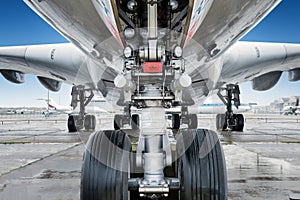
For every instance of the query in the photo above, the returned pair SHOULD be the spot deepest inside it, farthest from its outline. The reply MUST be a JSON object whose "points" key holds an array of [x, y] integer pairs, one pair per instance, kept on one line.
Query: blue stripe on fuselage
{"points": [[219, 104]]}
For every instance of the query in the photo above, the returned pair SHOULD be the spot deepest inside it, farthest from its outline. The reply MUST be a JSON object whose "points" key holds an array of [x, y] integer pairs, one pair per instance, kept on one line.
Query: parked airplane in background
{"points": [[218, 108], [292, 109], [153, 55], [213, 105], [23, 111], [53, 106], [209, 107]]}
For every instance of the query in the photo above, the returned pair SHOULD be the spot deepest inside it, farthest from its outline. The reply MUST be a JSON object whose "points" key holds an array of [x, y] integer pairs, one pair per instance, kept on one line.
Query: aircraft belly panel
{"points": [[107, 14], [227, 21], [200, 9], [80, 23]]}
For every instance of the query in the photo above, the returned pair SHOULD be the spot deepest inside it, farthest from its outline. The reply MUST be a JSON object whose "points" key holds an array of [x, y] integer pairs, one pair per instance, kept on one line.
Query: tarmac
{"points": [[40, 160]]}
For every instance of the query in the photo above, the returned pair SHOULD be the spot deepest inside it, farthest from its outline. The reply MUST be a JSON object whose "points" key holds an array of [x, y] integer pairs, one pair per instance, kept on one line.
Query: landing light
{"points": [[131, 4], [174, 4], [177, 51], [128, 51], [129, 33]]}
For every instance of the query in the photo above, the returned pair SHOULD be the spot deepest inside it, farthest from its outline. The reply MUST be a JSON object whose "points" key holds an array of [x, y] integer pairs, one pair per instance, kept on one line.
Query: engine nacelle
{"points": [[50, 84], [294, 75], [13, 76], [266, 81]]}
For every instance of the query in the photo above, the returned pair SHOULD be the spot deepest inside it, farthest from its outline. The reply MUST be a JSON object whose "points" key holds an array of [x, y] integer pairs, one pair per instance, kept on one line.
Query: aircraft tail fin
{"points": [[50, 103]]}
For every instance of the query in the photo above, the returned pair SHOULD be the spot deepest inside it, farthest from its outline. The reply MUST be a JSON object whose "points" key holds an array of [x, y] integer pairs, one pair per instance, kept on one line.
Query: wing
{"points": [[261, 63], [223, 23], [52, 64], [80, 23]]}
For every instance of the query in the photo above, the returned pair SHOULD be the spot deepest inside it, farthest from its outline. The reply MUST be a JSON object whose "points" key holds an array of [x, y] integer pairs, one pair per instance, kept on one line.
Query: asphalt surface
{"points": [[40, 160]]}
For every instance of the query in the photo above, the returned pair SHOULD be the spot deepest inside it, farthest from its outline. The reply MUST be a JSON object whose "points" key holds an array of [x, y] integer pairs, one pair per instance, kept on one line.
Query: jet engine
{"points": [[13, 76], [50, 84], [294, 75], [266, 81]]}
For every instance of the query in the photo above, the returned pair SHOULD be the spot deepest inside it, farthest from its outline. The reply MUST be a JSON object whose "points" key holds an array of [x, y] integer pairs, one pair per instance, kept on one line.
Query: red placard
{"points": [[152, 67]]}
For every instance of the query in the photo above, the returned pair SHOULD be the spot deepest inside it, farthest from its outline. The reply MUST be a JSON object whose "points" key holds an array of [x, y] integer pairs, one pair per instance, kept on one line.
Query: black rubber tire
{"points": [[135, 122], [239, 123], [89, 122], [221, 123], [193, 121], [71, 124], [117, 122], [201, 166], [102, 182], [175, 121]]}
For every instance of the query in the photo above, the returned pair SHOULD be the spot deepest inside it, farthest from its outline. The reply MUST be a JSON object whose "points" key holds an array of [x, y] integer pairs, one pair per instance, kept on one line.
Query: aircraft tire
{"points": [[118, 122], [102, 182], [135, 122], [239, 123], [218, 122], [201, 165], [71, 124], [193, 121], [221, 123], [175, 121], [90, 122]]}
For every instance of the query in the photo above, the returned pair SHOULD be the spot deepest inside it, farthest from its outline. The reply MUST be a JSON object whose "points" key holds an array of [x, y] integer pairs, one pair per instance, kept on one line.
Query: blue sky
{"points": [[282, 25], [20, 26]]}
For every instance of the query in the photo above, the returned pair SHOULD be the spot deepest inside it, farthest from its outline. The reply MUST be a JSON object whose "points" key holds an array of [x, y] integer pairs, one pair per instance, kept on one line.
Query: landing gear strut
{"points": [[229, 119], [162, 162], [79, 121]]}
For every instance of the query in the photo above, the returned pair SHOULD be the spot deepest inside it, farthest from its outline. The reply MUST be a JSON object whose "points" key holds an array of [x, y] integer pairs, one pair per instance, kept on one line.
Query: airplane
{"points": [[220, 108], [292, 109], [68, 109], [53, 106], [212, 105], [152, 55], [23, 111]]}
